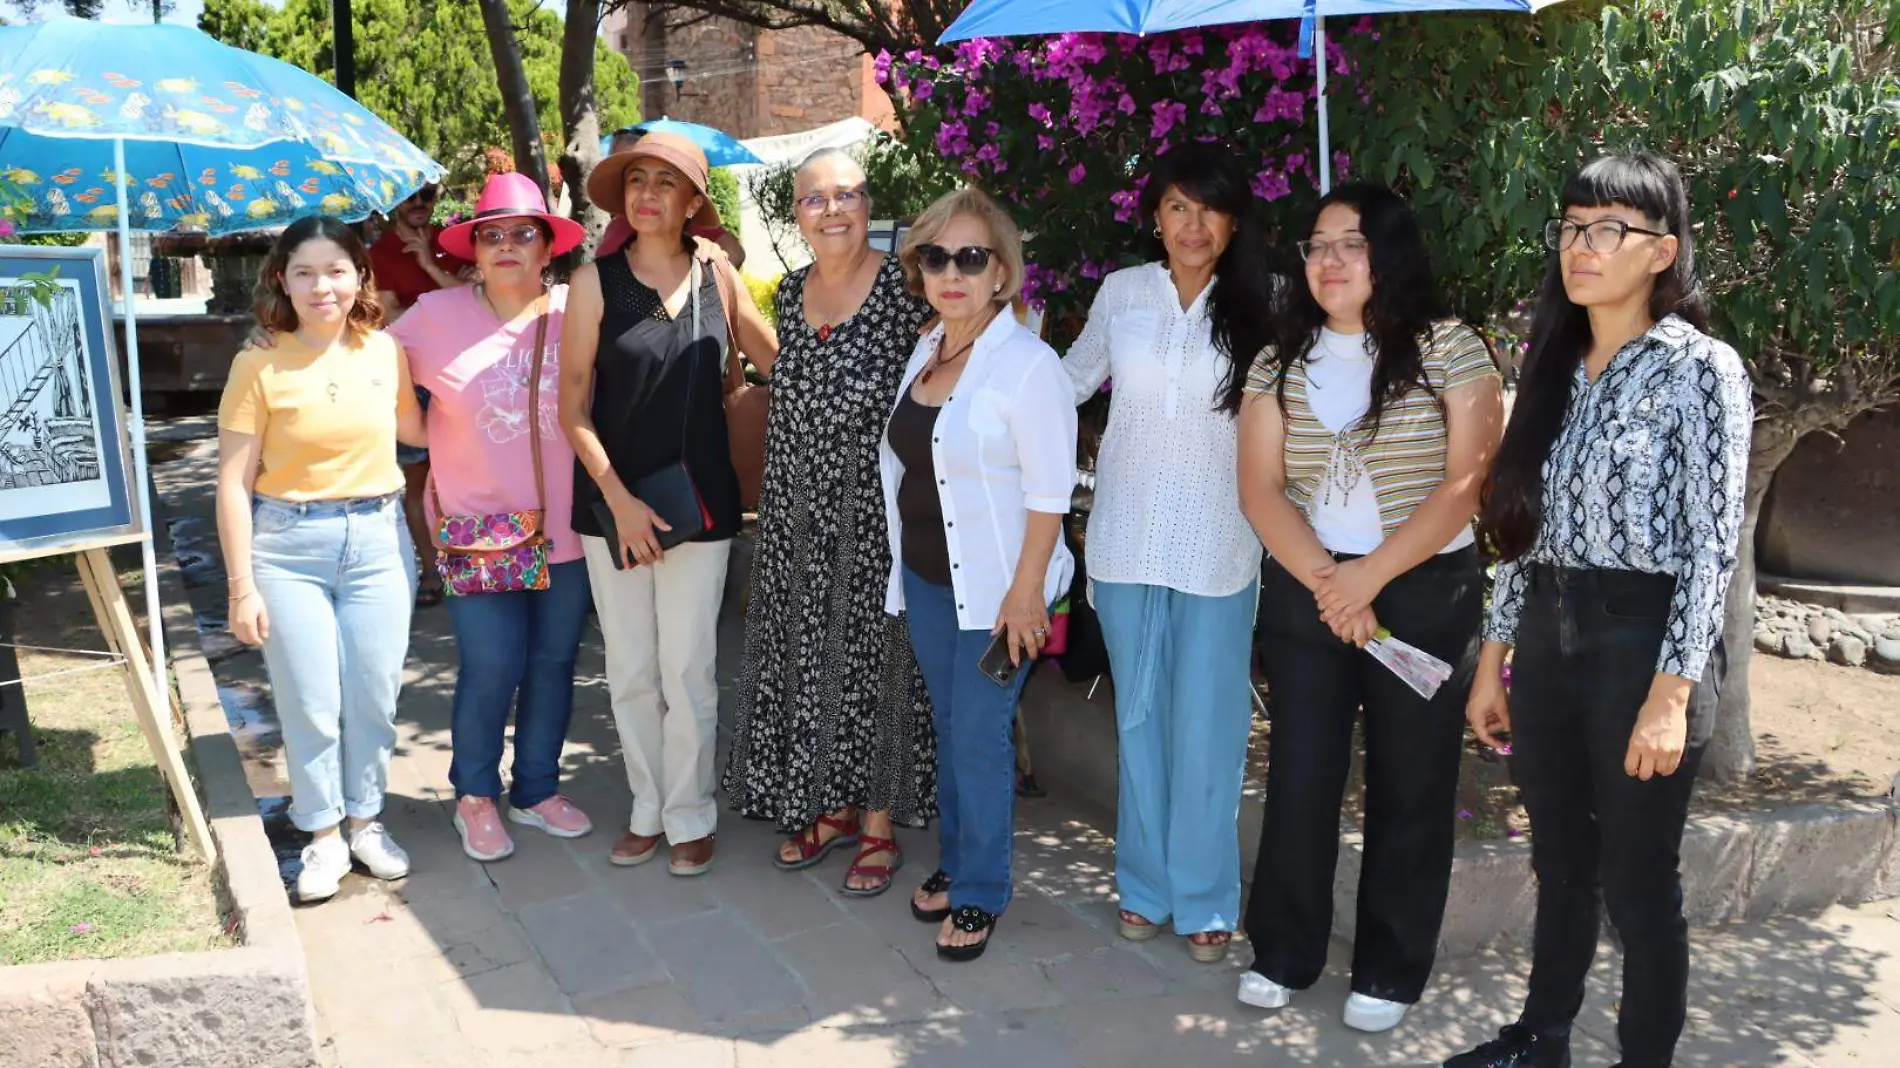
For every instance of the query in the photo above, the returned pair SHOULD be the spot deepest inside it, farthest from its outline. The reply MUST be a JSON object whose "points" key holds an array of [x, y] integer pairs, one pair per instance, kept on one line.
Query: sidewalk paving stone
{"points": [[555, 959]]}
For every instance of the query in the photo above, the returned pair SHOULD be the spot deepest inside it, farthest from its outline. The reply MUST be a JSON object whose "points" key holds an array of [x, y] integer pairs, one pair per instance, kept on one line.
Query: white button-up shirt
{"points": [[1004, 446], [1167, 499]]}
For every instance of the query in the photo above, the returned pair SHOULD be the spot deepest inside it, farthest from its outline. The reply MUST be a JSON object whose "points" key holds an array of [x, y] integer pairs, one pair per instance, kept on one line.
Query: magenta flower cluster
{"points": [[1062, 128]]}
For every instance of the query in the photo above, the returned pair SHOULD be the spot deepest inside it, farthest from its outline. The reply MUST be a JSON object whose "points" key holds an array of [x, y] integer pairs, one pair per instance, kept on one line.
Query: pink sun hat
{"points": [[511, 195]]}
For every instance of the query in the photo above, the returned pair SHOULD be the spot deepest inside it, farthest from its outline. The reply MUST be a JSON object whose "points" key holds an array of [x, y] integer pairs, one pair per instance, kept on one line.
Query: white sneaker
{"points": [[379, 853], [1372, 1014], [1262, 993], [326, 860]]}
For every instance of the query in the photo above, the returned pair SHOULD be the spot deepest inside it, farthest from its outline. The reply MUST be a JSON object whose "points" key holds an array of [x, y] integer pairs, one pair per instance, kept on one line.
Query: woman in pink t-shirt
{"points": [[472, 348]]}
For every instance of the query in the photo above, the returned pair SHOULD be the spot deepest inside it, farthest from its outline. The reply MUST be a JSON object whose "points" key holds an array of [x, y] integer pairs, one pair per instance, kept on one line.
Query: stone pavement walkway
{"points": [[553, 958]]}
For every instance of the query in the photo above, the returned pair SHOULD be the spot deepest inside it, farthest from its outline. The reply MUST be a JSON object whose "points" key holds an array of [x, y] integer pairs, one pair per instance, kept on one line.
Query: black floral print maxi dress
{"points": [[832, 711]]}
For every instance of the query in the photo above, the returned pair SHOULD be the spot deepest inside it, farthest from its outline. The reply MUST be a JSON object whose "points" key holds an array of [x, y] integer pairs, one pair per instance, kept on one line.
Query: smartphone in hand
{"points": [[995, 664]]}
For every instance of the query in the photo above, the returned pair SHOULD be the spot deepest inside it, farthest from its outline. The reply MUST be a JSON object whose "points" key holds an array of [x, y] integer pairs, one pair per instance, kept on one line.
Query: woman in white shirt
{"points": [[978, 464], [1366, 430], [1173, 565]]}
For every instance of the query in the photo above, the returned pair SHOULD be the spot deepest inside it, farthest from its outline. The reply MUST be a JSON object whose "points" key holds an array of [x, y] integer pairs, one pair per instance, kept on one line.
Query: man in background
{"points": [[408, 261]]}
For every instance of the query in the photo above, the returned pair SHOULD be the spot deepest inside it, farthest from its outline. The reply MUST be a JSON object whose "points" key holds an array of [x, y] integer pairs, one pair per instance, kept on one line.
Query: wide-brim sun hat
{"points": [[607, 186], [511, 195]]}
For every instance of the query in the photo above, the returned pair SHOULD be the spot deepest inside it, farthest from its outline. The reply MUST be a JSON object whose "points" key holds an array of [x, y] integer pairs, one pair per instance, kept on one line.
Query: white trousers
{"points": [[660, 625]]}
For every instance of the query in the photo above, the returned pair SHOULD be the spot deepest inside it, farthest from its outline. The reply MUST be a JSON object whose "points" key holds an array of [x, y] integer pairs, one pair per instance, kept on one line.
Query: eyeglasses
{"points": [[521, 236], [970, 259], [426, 195], [1348, 249], [845, 200], [1604, 235]]}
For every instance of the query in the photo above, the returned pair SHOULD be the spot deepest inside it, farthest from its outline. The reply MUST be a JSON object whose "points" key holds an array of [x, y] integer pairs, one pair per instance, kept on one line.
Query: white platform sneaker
{"points": [[1261, 992], [1372, 1014]]}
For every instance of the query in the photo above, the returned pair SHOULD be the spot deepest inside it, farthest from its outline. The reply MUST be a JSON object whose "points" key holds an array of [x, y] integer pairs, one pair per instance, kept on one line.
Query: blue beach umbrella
{"points": [[1021, 18], [162, 128], [721, 148], [215, 139]]}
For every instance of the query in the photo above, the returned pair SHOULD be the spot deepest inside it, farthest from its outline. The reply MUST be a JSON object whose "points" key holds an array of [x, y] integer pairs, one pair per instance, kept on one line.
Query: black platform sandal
{"points": [[970, 920], [938, 882]]}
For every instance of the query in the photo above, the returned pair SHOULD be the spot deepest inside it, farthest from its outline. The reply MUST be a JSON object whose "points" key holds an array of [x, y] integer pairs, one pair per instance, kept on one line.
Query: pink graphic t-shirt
{"points": [[476, 371]]}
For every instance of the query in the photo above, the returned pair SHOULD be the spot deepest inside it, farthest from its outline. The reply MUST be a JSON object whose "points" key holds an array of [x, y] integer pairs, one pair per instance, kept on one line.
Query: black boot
{"points": [[1518, 1047]]}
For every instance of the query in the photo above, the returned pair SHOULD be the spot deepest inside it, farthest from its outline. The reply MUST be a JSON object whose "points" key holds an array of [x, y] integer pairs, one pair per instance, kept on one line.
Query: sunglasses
{"points": [[970, 259], [523, 236], [426, 196]]}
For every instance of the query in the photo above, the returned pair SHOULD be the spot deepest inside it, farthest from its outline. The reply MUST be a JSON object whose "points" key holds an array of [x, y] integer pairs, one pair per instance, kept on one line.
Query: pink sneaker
{"points": [[483, 836], [557, 815]]}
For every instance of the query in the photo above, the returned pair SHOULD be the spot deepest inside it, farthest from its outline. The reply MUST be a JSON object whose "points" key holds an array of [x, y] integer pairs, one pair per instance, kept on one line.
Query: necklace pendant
{"points": [[925, 377], [824, 331]]}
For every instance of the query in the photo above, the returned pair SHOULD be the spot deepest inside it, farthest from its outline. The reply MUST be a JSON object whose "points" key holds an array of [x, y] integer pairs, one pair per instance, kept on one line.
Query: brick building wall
{"points": [[745, 81]]}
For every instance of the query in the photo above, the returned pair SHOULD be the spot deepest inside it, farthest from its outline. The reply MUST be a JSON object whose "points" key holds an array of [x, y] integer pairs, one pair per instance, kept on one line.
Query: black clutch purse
{"points": [[673, 497]]}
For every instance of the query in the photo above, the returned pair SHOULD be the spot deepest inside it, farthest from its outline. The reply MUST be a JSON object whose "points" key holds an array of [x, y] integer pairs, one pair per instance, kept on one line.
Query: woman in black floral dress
{"points": [[833, 740]]}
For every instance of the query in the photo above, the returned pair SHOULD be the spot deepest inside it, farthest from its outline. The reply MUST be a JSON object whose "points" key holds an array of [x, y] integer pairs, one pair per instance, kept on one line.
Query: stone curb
{"points": [[1801, 858], [1748, 866], [246, 1006]]}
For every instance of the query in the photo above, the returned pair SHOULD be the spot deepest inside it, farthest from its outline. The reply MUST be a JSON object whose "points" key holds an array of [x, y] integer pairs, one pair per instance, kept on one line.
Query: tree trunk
{"points": [[580, 116], [1731, 752], [517, 102]]}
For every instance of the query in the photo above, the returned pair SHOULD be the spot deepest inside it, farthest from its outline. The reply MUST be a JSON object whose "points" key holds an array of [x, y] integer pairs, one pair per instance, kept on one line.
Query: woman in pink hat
{"points": [[490, 356]]}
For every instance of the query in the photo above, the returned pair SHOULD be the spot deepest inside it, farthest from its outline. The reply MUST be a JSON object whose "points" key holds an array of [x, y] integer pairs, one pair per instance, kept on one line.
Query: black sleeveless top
{"points": [[659, 395]]}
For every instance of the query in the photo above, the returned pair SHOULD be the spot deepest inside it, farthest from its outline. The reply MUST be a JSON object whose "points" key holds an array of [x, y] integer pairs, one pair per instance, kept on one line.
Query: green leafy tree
{"points": [[425, 67], [1785, 118]]}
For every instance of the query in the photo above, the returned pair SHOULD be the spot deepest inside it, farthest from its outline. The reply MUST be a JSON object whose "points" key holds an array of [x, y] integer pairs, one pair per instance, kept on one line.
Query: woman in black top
{"points": [[646, 340], [1616, 505]]}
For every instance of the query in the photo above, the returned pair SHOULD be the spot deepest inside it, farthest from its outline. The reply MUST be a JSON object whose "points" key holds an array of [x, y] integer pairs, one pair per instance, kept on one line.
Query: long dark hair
{"points": [[1405, 303], [271, 305], [1238, 304], [1560, 337]]}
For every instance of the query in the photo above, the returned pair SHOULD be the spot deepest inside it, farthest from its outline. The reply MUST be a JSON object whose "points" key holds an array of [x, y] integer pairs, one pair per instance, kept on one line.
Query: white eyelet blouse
{"points": [[1167, 498]]}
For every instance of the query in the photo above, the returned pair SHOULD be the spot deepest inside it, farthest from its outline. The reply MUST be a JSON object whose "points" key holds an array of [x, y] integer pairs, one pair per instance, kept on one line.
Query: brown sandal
{"points": [[811, 850], [1135, 927], [1211, 951], [871, 845]]}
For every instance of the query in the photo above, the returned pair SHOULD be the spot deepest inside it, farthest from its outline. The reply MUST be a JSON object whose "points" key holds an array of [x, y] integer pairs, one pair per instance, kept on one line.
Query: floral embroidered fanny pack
{"points": [[503, 552]]}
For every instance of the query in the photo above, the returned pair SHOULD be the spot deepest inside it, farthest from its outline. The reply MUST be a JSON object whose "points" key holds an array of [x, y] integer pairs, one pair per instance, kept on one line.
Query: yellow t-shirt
{"points": [[327, 420]]}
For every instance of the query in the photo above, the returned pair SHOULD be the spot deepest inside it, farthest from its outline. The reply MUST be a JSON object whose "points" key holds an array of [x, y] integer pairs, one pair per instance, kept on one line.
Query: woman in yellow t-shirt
{"points": [[310, 517]]}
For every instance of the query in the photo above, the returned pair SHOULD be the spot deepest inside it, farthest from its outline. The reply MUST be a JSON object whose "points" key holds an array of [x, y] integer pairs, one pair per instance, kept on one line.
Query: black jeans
{"points": [[1587, 648], [1316, 685]]}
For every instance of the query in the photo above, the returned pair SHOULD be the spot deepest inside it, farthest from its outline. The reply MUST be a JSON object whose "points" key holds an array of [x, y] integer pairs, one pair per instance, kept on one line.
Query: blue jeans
{"points": [[517, 653], [976, 754], [1183, 708], [338, 581]]}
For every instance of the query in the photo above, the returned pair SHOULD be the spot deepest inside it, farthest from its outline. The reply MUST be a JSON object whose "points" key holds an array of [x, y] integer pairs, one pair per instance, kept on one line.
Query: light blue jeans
{"points": [[1183, 709], [338, 581]]}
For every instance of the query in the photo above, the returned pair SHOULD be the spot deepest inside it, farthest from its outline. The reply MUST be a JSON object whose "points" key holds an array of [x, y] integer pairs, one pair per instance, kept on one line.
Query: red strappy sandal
{"points": [[810, 850], [867, 845]]}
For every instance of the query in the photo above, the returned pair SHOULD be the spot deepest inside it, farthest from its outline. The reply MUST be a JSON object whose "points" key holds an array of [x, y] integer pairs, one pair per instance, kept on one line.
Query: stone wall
{"points": [[1834, 511], [745, 81]]}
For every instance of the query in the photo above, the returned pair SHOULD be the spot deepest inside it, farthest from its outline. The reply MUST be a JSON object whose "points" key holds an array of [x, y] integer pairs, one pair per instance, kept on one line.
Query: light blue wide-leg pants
{"points": [[1183, 709]]}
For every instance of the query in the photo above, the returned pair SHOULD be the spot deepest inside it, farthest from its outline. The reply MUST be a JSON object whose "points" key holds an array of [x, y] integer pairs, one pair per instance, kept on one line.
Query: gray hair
{"points": [[821, 155]]}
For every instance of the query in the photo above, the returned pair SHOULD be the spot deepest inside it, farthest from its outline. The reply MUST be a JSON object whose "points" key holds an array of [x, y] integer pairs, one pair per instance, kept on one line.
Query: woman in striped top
{"points": [[1366, 430]]}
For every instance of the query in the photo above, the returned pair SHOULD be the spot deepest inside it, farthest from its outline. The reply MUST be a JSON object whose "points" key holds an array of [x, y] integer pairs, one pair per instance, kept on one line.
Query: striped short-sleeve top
{"points": [[1405, 455]]}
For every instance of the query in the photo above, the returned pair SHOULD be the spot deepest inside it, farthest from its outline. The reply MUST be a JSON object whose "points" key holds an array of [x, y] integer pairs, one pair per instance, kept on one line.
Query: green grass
{"points": [[88, 862]]}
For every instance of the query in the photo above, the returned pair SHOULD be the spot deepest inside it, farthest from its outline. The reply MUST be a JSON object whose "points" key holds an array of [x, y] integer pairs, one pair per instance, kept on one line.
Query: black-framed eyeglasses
{"points": [[843, 200], [523, 236], [1604, 235], [1348, 249], [428, 194], [970, 259]]}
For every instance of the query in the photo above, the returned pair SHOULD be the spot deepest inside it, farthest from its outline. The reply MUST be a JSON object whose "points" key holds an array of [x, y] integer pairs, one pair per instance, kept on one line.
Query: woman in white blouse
{"points": [[978, 464], [1173, 566]]}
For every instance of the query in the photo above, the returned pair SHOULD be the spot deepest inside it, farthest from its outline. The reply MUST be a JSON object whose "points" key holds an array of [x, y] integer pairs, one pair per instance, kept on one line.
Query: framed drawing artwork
{"points": [[65, 468]]}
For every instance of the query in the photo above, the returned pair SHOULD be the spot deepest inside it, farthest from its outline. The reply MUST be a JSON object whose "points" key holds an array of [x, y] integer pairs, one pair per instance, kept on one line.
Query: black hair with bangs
{"points": [[1560, 337]]}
